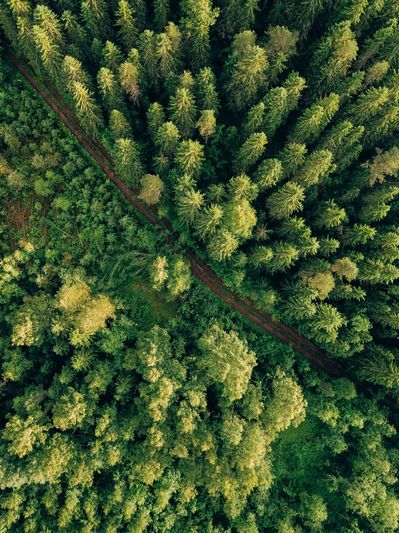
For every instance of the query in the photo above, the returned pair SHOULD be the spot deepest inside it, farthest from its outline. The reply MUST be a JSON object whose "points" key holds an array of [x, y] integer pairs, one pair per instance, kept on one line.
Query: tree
{"points": [[227, 361], [261, 256], [151, 189], [127, 161], [179, 278], [284, 256], [189, 156], [255, 119], [330, 215], [315, 118], [109, 88], [129, 77], [343, 141], [205, 86], [316, 167], [183, 111], [112, 56], [292, 157], [345, 268], [161, 13], [333, 57], [198, 17], [189, 204], [120, 127], [158, 272], [286, 200], [250, 151], [242, 187], [221, 244], [155, 119], [238, 15], [245, 71], [280, 46], [86, 107], [239, 217], [208, 220], [206, 124], [167, 137], [126, 24]]}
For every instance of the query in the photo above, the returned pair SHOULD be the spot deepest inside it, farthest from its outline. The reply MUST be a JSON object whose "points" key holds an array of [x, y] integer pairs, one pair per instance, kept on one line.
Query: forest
{"points": [[199, 266]]}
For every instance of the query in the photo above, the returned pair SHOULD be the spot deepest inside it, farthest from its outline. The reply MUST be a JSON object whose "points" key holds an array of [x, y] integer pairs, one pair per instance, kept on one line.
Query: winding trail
{"points": [[200, 270]]}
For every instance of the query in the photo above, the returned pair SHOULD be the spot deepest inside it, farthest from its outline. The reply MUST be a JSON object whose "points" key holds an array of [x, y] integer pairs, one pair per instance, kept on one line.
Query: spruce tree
{"points": [[126, 24], [183, 111], [250, 151], [286, 200]]}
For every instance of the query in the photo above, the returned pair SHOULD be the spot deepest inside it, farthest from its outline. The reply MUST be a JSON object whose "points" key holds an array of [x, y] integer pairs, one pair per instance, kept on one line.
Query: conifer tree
{"points": [[238, 15], [206, 124], [109, 88], [112, 56], [166, 55], [330, 215], [221, 244], [245, 71], [280, 46], [148, 56], [95, 16], [255, 119], [182, 111], [333, 56], [315, 118], [261, 256], [292, 157], [190, 156], [251, 151], [205, 86], [197, 20], [286, 200], [316, 167], [86, 107], [239, 217], [268, 173], [161, 13], [120, 127], [126, 24], [189, 204], [127, 160], [167, 138], [155, 118], [129, 78], [208, 219], [344, 141], [243, 187], [283, 256]]}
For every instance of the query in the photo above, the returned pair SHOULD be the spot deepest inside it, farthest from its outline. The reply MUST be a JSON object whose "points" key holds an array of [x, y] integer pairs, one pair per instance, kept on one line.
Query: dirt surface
{"points": [[200, 270]]}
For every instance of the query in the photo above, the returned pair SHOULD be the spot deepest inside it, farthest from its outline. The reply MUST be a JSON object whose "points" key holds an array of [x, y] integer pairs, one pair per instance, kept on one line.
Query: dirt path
{"points": [[201, 270]]}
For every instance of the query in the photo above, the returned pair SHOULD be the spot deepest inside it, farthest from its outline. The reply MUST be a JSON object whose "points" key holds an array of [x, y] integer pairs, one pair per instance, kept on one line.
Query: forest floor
{"points": [[199, 269]]}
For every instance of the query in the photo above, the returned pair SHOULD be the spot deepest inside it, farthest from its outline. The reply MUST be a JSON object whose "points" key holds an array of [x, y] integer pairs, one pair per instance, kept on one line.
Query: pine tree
{"points": [[109, 88], [127, 161], [238, 15], [343, 141], [95, 16], [206, 124], [208, 220], [280, 46], [284, 256], [182, 111], [189, 204], [205, 87], [315, 118], [239, 217], [126, 24], [221, 245], [112, 57], [119, 125], [155, 119], [255, 119], [245, 71], [165, 55], [292, 157], [148, 56], [286, 200], [190, 156], [251, 151], [86, 107], [167, 138], [197, 20], [316, 167], [260, 256], [268, 173], [161, 13], [330, 215], [243, 187], [333, 57], [129, 78]]}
